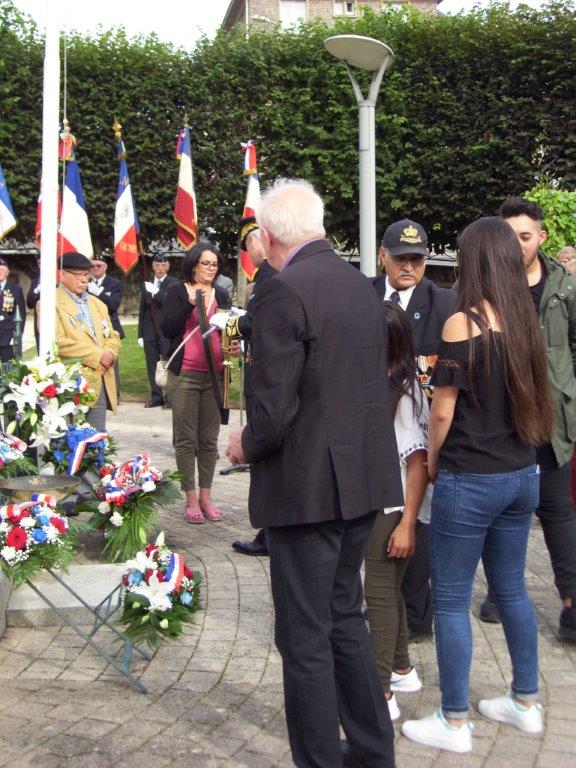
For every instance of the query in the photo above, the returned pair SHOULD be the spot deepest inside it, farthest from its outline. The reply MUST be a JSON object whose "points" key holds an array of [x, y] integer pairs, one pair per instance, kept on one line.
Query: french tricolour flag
{"points": [[7, 218], [74, 228], [252, 199], [126, 226], [185, 212]]}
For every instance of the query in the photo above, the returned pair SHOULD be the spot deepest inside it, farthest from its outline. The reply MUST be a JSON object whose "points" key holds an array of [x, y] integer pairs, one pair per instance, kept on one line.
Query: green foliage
{"points": [[560, 222], [477, 107], [57, 556], [140, 515]]}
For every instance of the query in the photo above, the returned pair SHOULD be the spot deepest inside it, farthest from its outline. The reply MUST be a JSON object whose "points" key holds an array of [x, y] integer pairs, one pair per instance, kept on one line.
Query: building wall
{"points": [[323, 9]]}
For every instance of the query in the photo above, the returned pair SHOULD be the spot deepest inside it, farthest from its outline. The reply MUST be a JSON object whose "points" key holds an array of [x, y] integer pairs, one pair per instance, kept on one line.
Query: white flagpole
{"points": [[49, 185]]}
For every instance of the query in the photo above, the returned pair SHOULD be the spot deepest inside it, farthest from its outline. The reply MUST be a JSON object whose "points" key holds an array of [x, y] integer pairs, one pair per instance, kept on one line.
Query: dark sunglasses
{"points": [[414, 258]]}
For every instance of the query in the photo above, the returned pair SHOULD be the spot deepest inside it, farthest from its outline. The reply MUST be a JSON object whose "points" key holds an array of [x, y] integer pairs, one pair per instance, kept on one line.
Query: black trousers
{"points": [[152, 350], [556, 515], [329, 672], [6, 354], [416, 585]]}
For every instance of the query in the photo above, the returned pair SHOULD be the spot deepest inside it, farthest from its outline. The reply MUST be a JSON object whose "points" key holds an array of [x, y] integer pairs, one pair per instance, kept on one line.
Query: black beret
{"points": [[247, 224], [73, 260]]}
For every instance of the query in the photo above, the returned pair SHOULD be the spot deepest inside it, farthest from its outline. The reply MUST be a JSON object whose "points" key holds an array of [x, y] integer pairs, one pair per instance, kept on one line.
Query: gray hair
{"points": [[292, 211]]}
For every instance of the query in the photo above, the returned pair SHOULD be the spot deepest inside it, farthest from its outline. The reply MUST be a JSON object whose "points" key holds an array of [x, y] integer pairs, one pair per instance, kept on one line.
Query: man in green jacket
{"points": [[553, 291]]}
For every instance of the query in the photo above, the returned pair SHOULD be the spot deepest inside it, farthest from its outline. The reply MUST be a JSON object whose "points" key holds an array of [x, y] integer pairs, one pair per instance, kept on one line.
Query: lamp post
{"points": [[374, 56]]}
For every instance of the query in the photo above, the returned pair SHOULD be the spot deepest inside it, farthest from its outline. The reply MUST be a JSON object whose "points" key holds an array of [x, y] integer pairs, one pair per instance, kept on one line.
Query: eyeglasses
{"points": [[414, 258], [209, 264]]}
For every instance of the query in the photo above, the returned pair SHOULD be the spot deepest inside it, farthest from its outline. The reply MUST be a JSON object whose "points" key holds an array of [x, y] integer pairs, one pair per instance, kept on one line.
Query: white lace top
{"points": [[412, 435]]}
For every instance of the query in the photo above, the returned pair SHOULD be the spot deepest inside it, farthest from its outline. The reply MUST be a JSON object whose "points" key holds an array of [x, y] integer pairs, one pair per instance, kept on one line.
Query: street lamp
{"points": [[372, 55]]}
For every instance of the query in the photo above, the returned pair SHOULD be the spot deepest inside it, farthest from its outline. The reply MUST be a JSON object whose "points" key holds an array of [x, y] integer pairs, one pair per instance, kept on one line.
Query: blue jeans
{"points": [[488, 517]]}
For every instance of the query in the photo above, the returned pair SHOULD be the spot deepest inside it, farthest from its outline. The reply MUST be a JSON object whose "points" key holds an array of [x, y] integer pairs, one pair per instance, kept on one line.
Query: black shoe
{"points": [[166, 405], [256, 547], [489, 611], [349, 759], [153, 403], [567, 628], [420, 636]]}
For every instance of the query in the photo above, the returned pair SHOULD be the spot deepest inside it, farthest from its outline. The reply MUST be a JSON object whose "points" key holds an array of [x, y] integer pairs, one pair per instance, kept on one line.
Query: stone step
{"points": [[92, 582]]}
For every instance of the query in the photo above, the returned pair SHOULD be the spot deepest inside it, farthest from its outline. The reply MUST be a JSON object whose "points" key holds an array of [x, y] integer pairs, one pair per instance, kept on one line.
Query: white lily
{"points": [[55, 415], [141, 563], [157, 593]]}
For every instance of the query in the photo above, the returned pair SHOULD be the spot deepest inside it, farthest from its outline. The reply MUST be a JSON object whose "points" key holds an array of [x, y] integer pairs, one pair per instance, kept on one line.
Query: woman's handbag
{"points": [[161, 372]]}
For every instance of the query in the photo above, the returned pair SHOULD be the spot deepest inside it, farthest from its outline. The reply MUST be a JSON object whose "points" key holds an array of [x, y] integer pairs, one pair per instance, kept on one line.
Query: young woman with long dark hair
{"points": [[392, 540], [491, 407]]}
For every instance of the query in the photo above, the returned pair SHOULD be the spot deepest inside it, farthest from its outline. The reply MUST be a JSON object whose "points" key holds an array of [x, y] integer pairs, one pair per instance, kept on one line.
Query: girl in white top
{"points": [[393, 537]]}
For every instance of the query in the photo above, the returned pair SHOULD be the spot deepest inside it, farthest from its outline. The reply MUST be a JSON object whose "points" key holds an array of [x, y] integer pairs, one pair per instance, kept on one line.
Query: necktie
{"points": [[395, 297]]}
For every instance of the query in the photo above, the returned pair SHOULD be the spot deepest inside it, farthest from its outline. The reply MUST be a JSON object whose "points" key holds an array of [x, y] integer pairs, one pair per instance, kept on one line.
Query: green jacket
{"points": [[557, 318]]}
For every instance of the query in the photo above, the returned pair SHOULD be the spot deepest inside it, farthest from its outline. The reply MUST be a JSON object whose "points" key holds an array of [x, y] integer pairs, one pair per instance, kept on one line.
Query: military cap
{"points": [[159, 256], [404, 237], [247, 225]]}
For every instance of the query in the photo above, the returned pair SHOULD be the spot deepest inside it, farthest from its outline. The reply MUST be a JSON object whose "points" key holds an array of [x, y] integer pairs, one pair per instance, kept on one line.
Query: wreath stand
{"points": [[61, 486]]}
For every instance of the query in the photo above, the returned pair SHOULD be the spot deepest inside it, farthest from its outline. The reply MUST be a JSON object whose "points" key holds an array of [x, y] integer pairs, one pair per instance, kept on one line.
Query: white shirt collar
{"points": [[405, 295]]}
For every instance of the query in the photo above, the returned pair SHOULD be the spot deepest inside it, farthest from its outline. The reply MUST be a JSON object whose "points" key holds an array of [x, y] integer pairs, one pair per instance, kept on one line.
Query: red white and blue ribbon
{"points": [[80, 450]]}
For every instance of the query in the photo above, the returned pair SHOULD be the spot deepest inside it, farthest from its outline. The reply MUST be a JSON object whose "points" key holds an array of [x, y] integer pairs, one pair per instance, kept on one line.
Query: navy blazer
{"points": [[428, 309], [8, 316], [321, 439]]}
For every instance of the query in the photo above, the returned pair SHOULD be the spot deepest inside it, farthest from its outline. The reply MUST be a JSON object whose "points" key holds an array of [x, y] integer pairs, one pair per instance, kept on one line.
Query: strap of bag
{"points": [[188, 335]]}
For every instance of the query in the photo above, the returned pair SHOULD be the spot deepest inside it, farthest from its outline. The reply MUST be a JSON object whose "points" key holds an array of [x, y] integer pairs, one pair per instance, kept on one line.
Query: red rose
{"points": [[105, 471], [125, 580], [17, 538], [188, 572], [149, 548], [76, 399], [59, 524], [147, 576], [50, 391], [160, 575]]}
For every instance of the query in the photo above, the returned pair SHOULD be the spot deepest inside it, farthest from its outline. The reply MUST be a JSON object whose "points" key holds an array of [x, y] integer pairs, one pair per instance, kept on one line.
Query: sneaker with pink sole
{"points": [[210, 511]]}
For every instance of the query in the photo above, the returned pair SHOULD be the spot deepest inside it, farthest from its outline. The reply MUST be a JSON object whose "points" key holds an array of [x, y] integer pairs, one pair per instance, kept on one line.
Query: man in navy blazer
{"points": [[403, 255], [324, 463]]}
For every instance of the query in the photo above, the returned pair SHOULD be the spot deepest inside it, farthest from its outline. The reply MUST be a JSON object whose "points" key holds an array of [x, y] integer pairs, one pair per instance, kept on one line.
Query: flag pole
{"points": [[49, 184]]}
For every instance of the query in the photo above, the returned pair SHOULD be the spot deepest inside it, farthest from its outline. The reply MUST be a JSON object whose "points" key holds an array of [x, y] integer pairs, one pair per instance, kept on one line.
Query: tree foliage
{"points": [[560, 221], [476, 108]]}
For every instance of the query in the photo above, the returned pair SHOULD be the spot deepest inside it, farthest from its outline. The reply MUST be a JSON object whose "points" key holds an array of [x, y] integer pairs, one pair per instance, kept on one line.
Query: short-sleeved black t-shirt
{"points": [[481, 439]]}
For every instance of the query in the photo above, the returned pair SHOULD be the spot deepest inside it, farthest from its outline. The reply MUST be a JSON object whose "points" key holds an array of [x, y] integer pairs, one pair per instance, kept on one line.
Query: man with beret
{"points": [[240, 327], [150, 336], [403, 255], [84, 331], [11, 299]]}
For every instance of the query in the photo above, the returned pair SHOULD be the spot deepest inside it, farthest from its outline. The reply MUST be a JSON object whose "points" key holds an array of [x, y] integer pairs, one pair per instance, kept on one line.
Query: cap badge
{"points": [[410, 235]]}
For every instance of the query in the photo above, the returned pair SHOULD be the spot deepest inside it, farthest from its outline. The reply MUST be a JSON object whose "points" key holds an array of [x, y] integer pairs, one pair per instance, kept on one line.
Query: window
{"points": [[344, 8], [292, 12]]}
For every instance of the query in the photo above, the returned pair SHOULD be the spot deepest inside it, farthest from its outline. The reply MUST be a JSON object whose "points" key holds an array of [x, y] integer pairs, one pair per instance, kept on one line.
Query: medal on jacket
{"points": [[8, 303]]}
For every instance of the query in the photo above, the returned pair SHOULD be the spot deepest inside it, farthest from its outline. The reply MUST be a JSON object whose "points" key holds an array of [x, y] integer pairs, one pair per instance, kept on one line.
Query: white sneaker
{"points": [[436, 731], [408, 683], [393, 708], [506, 710]]}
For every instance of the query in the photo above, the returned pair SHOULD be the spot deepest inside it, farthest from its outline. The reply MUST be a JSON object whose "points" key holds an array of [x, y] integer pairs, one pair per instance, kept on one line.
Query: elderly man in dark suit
{"points": [[150, 335], [324, 462], [11, 299], [403, 257]]}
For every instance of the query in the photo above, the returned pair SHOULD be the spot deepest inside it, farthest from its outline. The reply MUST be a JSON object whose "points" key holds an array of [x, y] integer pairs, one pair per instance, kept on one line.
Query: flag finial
{"points": [[117, 128], [67, 142], [185, 120]]}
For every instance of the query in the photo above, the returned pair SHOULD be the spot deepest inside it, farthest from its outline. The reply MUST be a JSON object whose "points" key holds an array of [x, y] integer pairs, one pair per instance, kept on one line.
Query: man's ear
{"points": [[542, 236], [381, 256]]}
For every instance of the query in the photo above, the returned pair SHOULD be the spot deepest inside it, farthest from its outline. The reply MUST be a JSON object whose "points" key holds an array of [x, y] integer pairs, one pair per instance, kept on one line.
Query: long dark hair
{"points": [[401, 356], [192, 258], [492, 271]]}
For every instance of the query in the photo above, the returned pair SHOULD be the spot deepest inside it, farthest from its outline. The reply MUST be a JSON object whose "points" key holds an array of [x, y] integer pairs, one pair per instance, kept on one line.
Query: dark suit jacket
{"points": [[321, 439], [112, 296], [7, 323], [150, 312], [427, 310], [32, 298], [265, 271], [177, 310]]}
